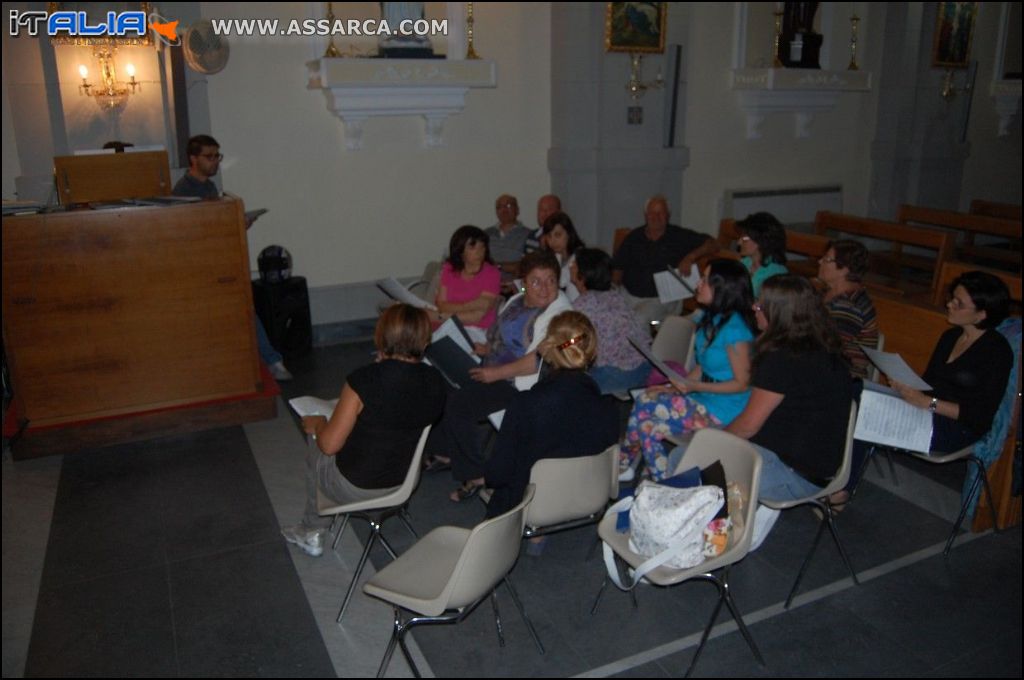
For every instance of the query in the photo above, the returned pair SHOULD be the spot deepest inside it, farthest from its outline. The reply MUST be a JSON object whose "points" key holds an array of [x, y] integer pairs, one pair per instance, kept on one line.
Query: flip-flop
{"points": [[465, 492], [435, 464]]}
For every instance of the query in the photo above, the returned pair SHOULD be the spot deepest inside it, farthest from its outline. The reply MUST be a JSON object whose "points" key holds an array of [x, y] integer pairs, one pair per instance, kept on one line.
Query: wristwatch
{"points": [[934, 405]]}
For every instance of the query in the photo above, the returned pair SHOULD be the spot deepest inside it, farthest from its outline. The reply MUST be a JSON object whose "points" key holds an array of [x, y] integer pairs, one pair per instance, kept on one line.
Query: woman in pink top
{"points": [[470, 283]]}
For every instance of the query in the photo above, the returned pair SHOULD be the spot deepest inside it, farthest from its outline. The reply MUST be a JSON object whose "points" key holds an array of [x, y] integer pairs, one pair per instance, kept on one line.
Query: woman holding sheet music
{"points": [[969, 367], [470, 283], [510, 364], [716, 390], [799, 404], [364, 450]]}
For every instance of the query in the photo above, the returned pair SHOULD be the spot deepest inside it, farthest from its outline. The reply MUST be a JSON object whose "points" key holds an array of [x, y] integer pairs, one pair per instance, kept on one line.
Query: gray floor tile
{"points": [[113, 626], [243, 612]]}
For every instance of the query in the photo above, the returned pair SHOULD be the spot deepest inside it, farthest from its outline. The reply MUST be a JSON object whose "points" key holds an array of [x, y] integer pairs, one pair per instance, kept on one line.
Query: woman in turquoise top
{"points": [[716, 390], [762, 247]]}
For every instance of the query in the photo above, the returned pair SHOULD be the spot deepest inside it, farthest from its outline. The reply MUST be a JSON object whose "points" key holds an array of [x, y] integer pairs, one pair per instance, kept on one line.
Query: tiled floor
{"points": [[164, 558]]}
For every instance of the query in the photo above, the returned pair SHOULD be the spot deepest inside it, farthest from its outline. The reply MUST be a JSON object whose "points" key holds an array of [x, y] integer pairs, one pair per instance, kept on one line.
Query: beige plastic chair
{"points": [[375, 511], [821, 501], [742, 464], [448, 573], [571, 492], [675, 340]]}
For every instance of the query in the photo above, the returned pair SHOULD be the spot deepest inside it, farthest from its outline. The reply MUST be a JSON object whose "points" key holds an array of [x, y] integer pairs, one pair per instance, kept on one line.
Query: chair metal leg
{"points": [[390, 649], [403, 515], [734, 610], [600, 592], [981, 479], [878, 463], [707, 628], [383, 541], [337, 537], [522, 612], [408, 656], [988, 492], [497, 617], [807, 560], [892, 468], [839, 544], [355, 576]]}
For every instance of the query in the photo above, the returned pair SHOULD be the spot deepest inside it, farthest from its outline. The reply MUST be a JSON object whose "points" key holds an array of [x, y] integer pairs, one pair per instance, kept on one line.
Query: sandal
{"points": [[437, 464], [465, 492]]}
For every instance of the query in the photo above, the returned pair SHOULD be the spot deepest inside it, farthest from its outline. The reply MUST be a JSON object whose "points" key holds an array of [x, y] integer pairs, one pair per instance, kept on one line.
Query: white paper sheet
{"points": [[893, 366], [884, 418], [672, 286], [394, 289], [313, 406]]}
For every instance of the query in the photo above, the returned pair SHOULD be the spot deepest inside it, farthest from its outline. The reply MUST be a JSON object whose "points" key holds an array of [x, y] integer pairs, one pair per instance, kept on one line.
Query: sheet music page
{"points": [[887, 419], [394, 289], [690, 281], [313, 406], [893, 365], [670, 288]]}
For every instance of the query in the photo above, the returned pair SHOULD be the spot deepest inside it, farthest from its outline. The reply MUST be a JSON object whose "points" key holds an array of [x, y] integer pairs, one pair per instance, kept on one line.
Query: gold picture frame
{"points": [[954, 32], [635, 27]]}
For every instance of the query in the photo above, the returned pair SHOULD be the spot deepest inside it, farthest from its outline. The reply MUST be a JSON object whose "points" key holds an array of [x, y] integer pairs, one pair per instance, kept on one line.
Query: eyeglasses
{"points": [[827, 260], [743, 239], [956, 303], [213, 156], [537, 282]]}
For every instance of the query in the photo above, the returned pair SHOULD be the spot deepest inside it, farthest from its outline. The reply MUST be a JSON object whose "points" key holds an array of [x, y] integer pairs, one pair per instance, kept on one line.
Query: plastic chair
{"points": [[571, 492], [448, 573], [821, 501], [675, 340], [375, 511], [966, 453], [742, 465]]}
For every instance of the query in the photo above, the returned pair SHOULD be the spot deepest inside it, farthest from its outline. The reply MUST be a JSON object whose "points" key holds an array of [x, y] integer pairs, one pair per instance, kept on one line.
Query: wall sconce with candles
{"points": [[636, 85], [110, 93]]}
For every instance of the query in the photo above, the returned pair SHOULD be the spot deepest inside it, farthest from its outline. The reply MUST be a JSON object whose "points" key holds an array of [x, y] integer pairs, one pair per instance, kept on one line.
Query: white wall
{"points": [[721, 158], [350, 216], [992, 171]]}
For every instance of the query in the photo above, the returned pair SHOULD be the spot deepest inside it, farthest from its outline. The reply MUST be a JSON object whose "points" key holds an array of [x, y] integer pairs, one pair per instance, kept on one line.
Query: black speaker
{"points": [[284, 310]]}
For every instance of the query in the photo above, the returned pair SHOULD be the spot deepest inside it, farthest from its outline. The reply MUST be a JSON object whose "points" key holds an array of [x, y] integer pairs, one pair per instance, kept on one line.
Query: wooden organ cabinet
{"points": [[128, 323]]}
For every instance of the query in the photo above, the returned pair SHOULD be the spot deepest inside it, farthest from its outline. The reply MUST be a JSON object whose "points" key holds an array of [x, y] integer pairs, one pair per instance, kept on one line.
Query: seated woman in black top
{"points": [[970, 365], [367, 445], [562, 416], [801, 391]]}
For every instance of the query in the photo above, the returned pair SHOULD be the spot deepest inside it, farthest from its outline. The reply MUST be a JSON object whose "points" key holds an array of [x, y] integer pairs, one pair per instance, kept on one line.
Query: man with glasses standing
{"points": [[204, 159]]}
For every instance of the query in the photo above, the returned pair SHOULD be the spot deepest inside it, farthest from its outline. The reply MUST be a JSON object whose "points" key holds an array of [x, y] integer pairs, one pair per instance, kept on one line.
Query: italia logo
{"points": [[80, 25]]}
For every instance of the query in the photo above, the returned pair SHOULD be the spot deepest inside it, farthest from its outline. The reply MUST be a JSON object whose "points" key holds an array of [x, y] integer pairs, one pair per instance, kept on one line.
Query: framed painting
{"points": [[635, 27], [954, 30]]}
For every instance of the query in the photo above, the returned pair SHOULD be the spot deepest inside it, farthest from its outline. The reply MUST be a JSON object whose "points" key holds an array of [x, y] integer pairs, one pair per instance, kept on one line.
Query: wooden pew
{"points": [[912, 330], [899, 235], [1005, 211], [970, 226], [951, 270]]}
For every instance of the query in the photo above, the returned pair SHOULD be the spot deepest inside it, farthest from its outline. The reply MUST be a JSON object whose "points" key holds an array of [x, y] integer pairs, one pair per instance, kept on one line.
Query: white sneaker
{"points": [[280, 372], [311, 542]]}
